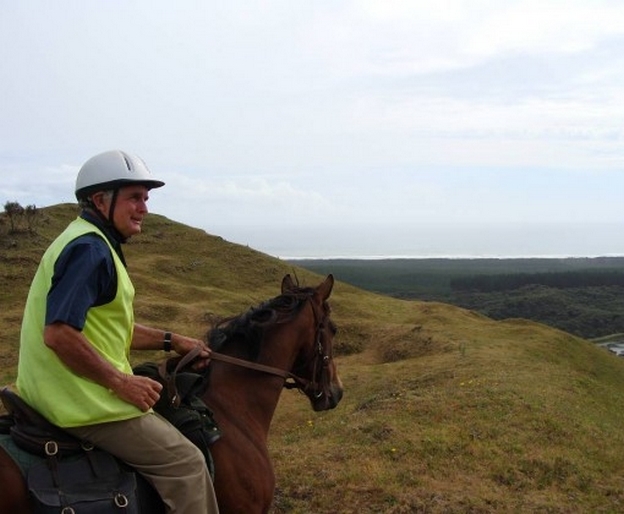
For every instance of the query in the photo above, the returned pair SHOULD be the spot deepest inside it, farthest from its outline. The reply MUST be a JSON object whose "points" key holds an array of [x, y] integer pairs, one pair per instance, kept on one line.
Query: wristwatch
{"points": [[167, 342]]}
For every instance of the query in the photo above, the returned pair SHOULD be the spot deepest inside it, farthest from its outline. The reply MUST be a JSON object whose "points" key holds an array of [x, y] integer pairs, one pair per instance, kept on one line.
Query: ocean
{"points": [[436, 240]]}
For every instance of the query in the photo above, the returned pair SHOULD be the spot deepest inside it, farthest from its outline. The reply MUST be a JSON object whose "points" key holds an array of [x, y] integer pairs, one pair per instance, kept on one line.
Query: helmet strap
{"points": [[109, 222], [111, 219], [111, 208]]}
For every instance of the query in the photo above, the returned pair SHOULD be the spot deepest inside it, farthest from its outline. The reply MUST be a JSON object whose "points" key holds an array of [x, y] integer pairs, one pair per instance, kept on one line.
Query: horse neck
{"points": [[243, 398], [252, 395]]}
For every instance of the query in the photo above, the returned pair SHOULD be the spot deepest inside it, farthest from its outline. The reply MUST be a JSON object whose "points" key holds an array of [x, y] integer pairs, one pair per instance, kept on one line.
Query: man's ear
{"points": [[101, 200]]}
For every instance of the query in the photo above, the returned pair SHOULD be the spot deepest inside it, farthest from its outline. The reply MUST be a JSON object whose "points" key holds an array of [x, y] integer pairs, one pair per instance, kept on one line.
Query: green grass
{"points": [[514, 420], [445, 410]]}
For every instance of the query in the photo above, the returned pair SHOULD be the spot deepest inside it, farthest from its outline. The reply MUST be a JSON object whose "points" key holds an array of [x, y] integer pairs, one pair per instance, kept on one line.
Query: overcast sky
{"points": [[319, 128]]}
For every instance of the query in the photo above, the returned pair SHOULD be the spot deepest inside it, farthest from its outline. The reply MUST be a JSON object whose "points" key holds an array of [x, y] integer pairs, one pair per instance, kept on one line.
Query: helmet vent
{"points": [[128, 165]]}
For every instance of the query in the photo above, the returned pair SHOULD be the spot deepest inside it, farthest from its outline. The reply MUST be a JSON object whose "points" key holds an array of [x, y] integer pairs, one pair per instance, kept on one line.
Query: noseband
{"points": [[319, 385]]}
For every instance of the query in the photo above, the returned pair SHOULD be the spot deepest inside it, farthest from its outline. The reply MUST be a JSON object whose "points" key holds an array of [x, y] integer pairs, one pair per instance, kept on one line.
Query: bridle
{"points": [[315, 388], [318, 386]]}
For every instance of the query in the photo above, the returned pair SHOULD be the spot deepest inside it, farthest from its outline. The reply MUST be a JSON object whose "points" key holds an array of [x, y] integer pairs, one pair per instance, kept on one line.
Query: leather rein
{"points": [[291, 381]]}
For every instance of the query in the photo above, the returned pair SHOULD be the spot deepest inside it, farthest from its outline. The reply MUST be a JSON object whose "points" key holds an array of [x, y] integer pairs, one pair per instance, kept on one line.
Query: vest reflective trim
{"points": [[43, 379]]}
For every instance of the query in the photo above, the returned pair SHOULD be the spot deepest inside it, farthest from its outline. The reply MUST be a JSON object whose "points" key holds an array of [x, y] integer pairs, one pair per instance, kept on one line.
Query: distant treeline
{"points": [[583, 296], [432, 278], [560, 280]]}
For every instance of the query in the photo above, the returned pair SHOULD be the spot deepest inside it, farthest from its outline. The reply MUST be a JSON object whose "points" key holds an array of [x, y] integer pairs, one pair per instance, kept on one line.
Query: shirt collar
{"points": [[112, 235]]}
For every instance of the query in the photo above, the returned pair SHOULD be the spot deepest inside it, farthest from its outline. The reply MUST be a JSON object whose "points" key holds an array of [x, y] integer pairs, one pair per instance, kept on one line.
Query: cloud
{"points": [[38, 185], [236, 201], [274, 112]]}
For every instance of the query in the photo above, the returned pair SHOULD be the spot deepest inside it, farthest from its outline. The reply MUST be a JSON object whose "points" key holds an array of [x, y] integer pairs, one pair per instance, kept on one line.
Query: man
{"points": [[78, 329]]}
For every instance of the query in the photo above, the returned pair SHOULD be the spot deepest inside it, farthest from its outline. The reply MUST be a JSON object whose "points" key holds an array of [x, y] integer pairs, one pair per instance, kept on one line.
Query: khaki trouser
{"points": [[155, 448]]}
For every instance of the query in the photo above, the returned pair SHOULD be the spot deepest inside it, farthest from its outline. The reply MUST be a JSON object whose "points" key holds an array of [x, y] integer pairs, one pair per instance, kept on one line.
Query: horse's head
{"points": [[289, 336], [314, 369]]}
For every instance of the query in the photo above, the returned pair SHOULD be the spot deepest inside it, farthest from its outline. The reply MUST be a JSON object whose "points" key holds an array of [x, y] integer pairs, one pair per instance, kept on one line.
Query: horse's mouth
{"points": [[327, 401]]}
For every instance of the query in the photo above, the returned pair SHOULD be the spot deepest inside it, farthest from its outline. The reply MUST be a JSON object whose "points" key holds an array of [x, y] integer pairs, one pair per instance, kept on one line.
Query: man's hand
{"points": [[182, 345], [142, 392]]}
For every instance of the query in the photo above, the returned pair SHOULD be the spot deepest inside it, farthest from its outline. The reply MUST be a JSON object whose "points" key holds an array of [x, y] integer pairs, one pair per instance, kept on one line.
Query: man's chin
{"points": [[132, 231]]}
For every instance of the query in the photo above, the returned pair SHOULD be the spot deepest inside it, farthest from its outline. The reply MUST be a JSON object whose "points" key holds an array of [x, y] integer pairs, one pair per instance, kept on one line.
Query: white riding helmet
{"points": [[111, 170]]}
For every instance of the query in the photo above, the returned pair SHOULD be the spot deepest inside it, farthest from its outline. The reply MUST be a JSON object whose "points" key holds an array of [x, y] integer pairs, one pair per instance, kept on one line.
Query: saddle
{"points": [[31, 431], [75, 476]]}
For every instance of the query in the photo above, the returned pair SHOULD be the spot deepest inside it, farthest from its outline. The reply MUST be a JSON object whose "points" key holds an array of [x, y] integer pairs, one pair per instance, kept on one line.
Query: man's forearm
{"points": [[77, 354], [147, 338]]}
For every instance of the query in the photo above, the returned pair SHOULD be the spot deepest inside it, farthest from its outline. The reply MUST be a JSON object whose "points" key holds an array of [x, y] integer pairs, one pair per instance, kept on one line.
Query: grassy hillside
{"points": [[183, 277], [445, 410]]}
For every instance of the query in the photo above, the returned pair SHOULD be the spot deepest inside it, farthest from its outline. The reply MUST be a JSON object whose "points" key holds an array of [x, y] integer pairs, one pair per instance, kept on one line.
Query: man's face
{"points": [[129, 211]]}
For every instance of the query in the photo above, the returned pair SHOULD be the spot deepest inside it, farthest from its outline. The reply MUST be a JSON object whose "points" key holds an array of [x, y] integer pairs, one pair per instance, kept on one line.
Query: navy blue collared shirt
{"points": [[84, 276]]}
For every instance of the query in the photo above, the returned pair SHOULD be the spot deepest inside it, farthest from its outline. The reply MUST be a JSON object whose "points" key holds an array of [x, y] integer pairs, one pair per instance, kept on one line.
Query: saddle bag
{"points": [[91, 483]]}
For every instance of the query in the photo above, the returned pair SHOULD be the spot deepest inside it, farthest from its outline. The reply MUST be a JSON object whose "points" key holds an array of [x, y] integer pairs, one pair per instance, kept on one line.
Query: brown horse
{"points": [[286, 341]]}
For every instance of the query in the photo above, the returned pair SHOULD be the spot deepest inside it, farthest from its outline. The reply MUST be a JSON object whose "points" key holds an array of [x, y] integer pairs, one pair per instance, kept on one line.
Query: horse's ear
{"points": [[287, 284], [325, 289]]}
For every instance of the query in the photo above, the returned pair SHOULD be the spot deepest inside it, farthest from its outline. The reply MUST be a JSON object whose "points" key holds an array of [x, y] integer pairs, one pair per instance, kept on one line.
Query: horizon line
{"points": [[450, 257]]}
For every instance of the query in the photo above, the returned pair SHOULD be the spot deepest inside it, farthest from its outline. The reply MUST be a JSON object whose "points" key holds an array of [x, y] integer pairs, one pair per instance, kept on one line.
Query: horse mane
{"points": [[250, 326]]}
